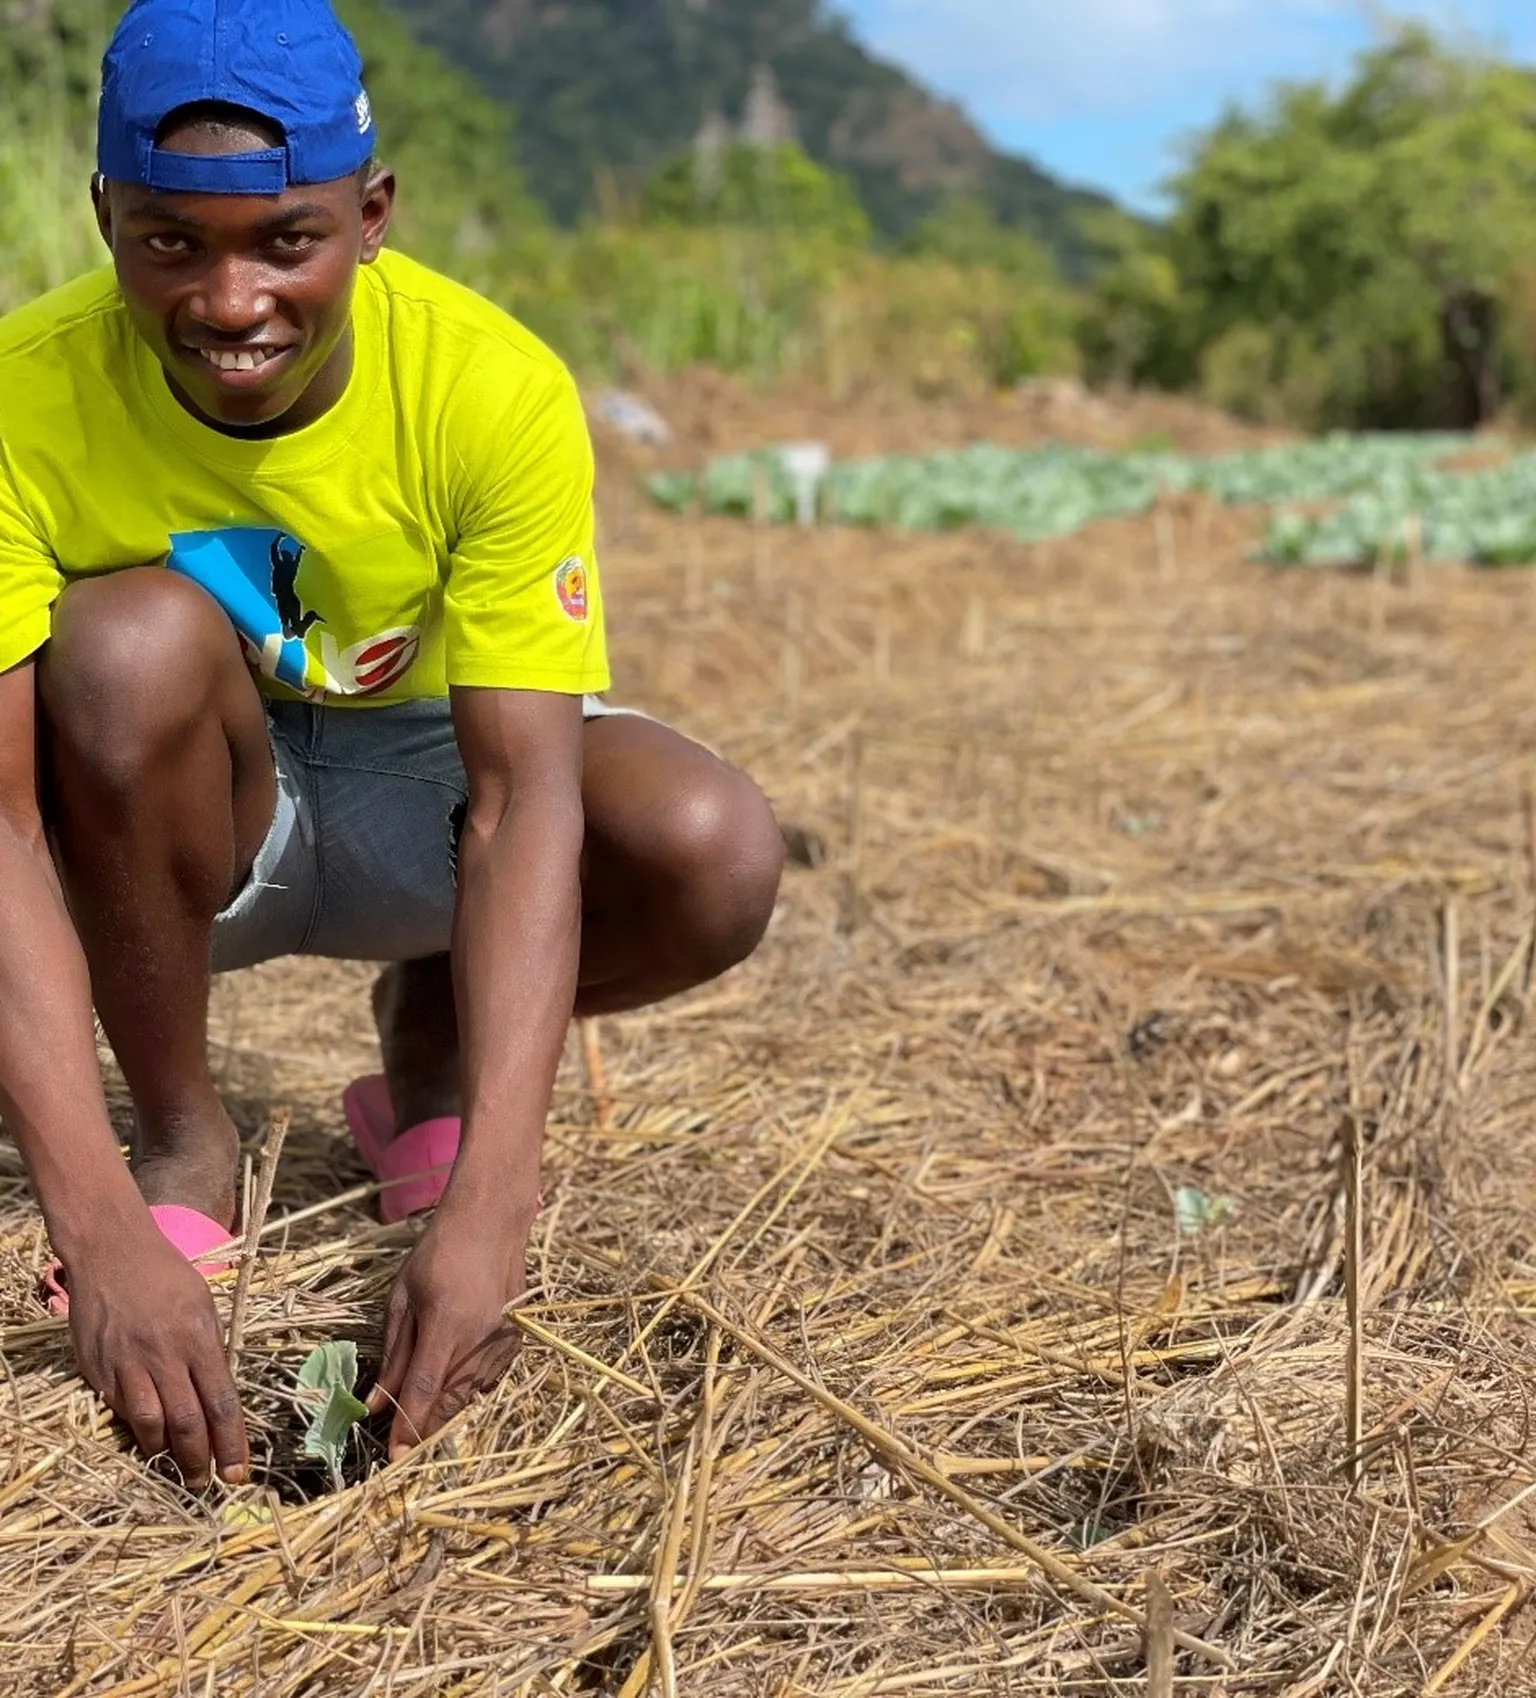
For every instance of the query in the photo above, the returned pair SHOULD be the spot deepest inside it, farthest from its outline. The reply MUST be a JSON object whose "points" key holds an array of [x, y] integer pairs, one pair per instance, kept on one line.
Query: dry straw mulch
{"points": [[866, 1356]]}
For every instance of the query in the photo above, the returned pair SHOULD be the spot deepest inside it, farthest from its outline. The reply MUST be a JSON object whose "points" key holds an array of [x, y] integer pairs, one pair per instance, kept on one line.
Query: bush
{"points": [[765, 188]]}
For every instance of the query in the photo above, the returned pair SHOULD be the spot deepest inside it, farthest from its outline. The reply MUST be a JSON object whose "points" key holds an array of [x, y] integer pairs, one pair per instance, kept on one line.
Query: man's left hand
{"points": [[447, 1338]]}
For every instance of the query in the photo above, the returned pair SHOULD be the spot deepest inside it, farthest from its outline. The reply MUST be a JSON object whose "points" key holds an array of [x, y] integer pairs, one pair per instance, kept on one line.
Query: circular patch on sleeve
{"points": [[571, 588]]}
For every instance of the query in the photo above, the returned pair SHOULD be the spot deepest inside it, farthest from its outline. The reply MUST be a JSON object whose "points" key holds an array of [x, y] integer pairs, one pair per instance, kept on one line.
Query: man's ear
{"points": [[378, 210], [102, 201]]}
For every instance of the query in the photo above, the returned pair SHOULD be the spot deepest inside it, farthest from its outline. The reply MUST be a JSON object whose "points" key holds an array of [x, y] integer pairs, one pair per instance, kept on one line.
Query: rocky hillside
{"points": [[606, 90]]}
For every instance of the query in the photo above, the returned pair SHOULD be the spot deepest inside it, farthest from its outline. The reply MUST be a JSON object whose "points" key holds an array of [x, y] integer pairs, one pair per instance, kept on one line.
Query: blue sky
{"points": [[1101, 91]]}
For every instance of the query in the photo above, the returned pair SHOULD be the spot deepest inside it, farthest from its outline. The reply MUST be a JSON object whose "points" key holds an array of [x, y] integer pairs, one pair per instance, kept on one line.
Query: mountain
{"points": [[605, 91]]}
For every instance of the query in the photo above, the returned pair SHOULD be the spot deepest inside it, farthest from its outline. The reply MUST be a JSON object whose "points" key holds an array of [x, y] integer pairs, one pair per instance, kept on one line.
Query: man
{"points": [[300, 627]]}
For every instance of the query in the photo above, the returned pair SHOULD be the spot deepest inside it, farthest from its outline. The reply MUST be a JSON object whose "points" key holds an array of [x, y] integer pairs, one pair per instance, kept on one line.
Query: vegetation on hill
{"points": [[752, 187], [610, 91], [768, 270], [1361, 256]]}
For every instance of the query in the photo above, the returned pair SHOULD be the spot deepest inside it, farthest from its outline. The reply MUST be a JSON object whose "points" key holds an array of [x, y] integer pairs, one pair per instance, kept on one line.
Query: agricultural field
{"points": [[1441, 497], [1088, 1250]]}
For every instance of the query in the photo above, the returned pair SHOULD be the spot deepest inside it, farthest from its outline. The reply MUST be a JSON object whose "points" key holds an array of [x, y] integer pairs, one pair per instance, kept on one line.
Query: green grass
{"points": [[47, 229]]}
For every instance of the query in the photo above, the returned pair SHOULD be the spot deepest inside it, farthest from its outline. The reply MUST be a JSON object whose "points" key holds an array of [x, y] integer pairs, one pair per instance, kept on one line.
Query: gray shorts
{"points": [[359, 861]]}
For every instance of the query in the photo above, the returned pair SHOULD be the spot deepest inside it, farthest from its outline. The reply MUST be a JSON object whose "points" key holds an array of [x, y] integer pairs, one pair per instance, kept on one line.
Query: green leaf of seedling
{"points": [[1196, 1212], [238, 1514], [326, 1389], [328, 1365]]}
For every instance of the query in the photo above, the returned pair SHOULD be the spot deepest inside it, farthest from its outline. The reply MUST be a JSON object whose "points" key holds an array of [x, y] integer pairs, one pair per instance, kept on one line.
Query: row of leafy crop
{"points": [[1487, 518], [1388, 484]]}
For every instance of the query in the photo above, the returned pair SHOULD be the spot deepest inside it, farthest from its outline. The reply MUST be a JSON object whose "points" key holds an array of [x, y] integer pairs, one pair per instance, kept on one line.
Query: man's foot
{"points": [[196, 1166]]}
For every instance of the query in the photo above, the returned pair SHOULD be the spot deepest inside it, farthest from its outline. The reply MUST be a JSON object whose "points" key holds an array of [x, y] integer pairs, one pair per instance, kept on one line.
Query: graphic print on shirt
{"points": [[571, 588], [253, 574], [287, 557]]}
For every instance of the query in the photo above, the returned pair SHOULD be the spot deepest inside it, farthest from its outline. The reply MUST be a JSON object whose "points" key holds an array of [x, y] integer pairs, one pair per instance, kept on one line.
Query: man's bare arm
{"points": [[145, 1330], [517, 933], [517, 938]]}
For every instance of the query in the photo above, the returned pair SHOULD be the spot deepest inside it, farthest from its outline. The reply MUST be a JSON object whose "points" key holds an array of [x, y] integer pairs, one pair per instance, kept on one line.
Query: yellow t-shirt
{"points": [[434, 528]]}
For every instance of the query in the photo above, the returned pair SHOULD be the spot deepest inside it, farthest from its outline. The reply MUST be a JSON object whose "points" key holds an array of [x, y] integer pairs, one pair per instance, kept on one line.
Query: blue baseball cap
{"points": [[290, 61]]}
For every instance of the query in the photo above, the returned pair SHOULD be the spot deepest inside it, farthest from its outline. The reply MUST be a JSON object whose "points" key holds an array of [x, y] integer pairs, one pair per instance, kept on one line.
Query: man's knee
{"points": [[131, 665], [725, 854]]}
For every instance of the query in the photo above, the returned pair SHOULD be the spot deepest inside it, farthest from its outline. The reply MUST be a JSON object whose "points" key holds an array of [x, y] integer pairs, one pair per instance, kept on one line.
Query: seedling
{"points": [[1197, 1213], [327, 1393]]}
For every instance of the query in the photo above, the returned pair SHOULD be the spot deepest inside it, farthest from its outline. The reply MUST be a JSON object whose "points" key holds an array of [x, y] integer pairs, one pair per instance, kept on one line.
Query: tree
{"points": [[1350, 254], [1139, 323]]}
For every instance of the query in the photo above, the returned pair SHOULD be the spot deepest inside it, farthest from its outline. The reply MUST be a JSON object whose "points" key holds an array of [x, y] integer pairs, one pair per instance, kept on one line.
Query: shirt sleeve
{"points": [[30, 579], [523, 608]]}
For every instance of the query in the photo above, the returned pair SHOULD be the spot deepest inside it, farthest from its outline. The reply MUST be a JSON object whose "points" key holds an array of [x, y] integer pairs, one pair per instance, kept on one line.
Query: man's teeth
{"points": [[248, 359]]}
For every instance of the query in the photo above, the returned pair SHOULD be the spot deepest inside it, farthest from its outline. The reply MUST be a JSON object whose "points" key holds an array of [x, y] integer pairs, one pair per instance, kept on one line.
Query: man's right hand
{"points": [[147, 1340]]}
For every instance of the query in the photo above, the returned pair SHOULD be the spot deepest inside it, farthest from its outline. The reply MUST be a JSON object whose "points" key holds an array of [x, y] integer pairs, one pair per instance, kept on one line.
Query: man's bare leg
{"points": [[679, 875], [161, 790]]}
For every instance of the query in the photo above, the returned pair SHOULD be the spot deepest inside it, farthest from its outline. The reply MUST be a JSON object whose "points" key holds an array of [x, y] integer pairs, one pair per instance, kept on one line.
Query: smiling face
{"points": [[246, 301]]}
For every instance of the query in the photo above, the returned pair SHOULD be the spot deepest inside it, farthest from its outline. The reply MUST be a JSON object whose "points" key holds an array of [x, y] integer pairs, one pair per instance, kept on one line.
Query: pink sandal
{"points": [[415, 1166], [194, 1234]]}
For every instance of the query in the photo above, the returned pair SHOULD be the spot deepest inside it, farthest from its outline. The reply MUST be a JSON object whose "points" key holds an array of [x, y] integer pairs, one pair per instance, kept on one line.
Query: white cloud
{"points": [[1040, 61]]}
